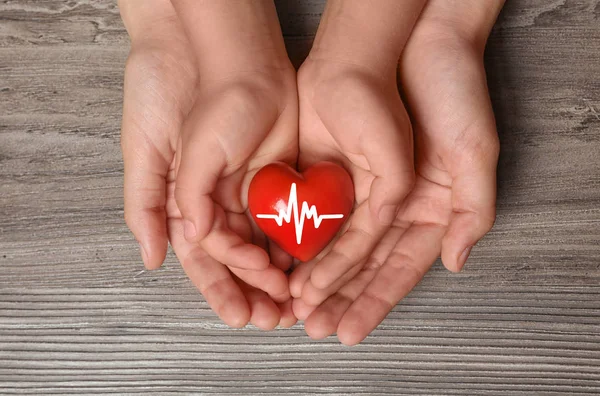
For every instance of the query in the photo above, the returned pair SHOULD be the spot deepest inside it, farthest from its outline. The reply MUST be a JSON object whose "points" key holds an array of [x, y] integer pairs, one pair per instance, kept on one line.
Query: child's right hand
{"points": [[191, 143]]}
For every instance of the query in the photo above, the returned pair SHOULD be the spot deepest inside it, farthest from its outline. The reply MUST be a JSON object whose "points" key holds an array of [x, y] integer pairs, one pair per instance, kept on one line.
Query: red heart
{"points": [[301, 212]]}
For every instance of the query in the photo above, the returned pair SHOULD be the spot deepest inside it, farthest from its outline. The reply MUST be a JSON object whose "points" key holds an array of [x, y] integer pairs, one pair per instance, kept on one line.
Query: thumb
{"points": [[145, 198], [473, 199], [200, 163], [145, 171], [390, 158], [443, 72], [154, 98]]}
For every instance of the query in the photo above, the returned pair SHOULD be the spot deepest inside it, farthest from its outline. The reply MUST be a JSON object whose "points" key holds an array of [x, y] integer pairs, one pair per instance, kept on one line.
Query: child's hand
{"points": [[244, 117], [351, 112], [233, 112], [452, 205]]}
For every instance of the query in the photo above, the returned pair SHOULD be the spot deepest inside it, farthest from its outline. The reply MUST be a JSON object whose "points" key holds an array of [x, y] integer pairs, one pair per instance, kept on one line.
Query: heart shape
{"points": [[301, 212]]}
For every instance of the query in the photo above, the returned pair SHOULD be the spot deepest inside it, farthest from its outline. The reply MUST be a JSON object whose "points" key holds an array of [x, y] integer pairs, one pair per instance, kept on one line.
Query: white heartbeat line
{"points": [[306, 213]]}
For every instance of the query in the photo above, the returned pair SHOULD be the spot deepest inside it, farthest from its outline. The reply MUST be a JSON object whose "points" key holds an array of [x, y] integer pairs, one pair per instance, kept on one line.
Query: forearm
{"points": [[371, 34], [233, 35]]}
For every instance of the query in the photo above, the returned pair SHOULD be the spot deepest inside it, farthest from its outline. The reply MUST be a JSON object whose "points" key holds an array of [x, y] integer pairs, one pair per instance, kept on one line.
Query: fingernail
{"points": [[388, 213], [463, 257], [144, 254], [189, 230]]}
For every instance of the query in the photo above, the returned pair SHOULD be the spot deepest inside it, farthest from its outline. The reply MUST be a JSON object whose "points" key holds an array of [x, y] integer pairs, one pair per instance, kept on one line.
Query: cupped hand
{"points": [[354, 116], [351, 113], [223, 122], [452, 204]]}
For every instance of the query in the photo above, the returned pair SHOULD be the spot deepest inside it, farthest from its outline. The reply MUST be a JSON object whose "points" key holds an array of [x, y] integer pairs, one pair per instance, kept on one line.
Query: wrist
{"points": [[356, 33], [218, 61], [447, 24], [233, 36], [378, 64]]}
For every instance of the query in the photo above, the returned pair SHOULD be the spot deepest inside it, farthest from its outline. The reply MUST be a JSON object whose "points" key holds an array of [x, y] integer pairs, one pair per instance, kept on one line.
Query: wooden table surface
{"points": [[79, 315]]}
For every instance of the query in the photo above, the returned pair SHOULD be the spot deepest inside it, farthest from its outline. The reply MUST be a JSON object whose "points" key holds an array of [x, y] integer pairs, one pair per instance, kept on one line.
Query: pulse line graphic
{"points": [[299, 218]]}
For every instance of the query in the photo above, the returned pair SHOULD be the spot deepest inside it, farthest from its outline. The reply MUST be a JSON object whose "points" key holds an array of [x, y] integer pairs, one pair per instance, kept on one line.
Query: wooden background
{"points": [[79, 315]]}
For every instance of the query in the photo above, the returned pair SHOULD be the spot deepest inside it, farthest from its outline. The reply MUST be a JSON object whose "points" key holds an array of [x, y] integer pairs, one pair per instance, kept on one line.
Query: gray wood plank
{"points": [[79, 315]]}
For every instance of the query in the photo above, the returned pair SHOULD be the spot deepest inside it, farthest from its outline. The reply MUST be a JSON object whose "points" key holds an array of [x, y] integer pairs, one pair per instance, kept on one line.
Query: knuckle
{"points": [[405, 262], [482, 221], [371, 295], [373, 263]]}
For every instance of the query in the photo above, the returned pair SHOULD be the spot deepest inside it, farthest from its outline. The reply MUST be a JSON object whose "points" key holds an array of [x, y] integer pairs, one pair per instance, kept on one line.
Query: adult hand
{"points": [[452, 205]]}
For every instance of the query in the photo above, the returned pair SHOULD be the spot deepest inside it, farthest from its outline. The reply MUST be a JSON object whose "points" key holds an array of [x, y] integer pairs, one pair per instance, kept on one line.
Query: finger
{"points": [[212, 279], [353, 247], [473, 203], [302, 310], [300, 276], [279, 257], [229, 247], [302, 271], [145, 196], [324, 319], [264, 313], [145, 168], [314, 296], [270, 280], [404, 268], [201, 163], [288, 319], [391, 161]]}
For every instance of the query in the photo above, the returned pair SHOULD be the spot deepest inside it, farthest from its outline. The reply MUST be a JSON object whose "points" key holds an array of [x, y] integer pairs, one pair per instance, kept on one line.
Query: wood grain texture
{"points": [[79, 315]]}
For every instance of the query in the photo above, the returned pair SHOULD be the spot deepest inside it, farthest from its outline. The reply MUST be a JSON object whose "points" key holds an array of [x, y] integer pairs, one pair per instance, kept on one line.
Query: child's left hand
{"points": [[161, 88]]}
